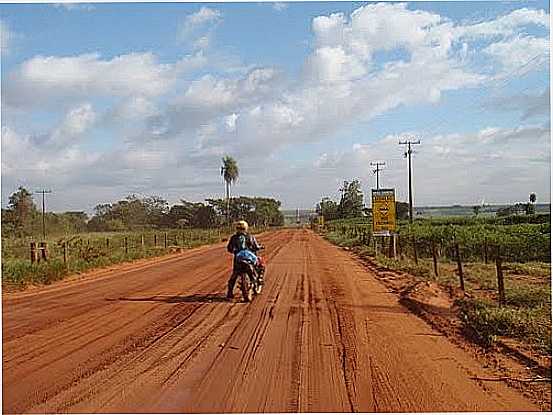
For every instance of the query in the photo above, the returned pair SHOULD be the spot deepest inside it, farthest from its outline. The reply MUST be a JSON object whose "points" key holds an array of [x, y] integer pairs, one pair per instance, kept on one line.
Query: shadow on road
{"points": [[195, 298]]}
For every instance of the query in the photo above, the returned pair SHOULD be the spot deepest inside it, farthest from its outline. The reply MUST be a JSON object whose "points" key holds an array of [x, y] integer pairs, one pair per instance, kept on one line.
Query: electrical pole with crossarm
{"points": [[408, 155], [377, 171], [43, 192]]}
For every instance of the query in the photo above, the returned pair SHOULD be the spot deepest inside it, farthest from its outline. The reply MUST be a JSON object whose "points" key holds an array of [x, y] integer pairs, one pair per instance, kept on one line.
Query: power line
{"points": [[43, 192], [377, 171], [408, 155]]}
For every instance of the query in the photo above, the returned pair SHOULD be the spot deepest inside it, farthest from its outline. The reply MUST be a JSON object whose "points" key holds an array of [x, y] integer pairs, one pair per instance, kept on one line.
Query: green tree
{"points": [[205, 217], [156, 209], [182, 215], [327, 208], [531, 207], [476, 210], [351, 203], [22, 209], [230, 174]]}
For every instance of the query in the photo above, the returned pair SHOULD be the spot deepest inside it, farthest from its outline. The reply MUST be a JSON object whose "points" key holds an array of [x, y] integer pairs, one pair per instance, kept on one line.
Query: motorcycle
{"points": [[249, 280]]}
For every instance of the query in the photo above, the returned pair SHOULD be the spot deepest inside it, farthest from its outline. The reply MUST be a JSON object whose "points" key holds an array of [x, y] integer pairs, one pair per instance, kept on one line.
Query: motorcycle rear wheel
{"points": [[246, 288]]}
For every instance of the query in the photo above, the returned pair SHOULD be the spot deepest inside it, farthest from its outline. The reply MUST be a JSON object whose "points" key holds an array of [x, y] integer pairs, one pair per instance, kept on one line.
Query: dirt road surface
{"points": [[323, 336]]}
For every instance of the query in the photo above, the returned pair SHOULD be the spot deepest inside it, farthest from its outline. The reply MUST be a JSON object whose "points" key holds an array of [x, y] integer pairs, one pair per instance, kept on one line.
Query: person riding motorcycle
{"points": [[244, 246]]}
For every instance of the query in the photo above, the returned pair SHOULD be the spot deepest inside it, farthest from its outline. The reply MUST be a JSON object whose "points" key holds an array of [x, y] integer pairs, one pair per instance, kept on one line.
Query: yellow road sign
{"points": [[384, 211]]}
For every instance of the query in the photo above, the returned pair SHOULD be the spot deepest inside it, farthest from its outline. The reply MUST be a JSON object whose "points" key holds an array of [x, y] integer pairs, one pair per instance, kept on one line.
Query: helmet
{"points": [[242, 225]]}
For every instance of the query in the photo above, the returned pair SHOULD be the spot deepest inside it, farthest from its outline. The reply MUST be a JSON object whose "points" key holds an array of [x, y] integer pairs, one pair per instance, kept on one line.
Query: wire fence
{"points": [[514, 243]]}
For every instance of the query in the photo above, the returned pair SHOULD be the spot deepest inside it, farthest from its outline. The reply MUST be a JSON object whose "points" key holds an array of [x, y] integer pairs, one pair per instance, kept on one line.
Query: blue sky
{"points": [[103, 100]]}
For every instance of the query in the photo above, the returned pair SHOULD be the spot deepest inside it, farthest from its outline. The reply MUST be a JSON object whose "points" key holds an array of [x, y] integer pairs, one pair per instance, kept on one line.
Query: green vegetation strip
{"points": [[93, 250]]}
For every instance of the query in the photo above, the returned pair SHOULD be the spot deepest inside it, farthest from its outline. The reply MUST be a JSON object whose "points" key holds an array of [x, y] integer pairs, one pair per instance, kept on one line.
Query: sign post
{"points": [[384, 214]]}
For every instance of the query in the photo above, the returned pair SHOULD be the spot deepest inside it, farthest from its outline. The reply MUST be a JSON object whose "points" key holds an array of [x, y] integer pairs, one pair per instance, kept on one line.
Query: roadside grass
{"points": [[526, 315], [340, 239], [89, 251], [18, 273], [485, 321]]}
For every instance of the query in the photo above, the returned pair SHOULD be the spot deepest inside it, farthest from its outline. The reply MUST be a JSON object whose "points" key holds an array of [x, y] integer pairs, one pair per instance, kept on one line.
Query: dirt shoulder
{"points": [[513, 362]]}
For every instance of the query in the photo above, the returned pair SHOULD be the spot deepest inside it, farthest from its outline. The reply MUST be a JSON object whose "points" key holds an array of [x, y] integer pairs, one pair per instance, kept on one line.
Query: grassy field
{"points": [[526, 314], [93, 250]]}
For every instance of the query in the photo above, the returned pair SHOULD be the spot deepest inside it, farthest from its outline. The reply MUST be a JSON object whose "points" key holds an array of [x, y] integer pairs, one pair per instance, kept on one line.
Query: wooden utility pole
{"points": [[408, 155], [377, 172], [43, 192]]}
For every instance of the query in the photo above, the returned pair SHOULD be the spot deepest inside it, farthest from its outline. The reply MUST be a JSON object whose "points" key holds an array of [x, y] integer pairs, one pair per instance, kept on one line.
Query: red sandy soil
{"points": [[324, 336]]}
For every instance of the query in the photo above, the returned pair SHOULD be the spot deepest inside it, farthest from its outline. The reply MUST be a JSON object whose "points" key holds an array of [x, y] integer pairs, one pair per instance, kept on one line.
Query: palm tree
{"points": [[229, 171]]}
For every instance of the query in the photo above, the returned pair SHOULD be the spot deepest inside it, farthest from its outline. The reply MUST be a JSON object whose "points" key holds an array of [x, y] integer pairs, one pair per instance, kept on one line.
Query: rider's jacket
{"points": [[240, 241]]}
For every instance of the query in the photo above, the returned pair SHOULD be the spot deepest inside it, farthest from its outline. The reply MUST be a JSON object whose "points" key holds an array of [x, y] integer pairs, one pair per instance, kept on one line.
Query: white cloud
{"points": [[75, 6], [43, 80], [204, 16], [505, 25], [278, 6], [75, 123], [44, 162], [134, 108], [198, 28], [529, 105], [230, 122], [526, 52]]}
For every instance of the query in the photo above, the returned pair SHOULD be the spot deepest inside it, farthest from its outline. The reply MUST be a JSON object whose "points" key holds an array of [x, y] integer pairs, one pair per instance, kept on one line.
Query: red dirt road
{"points": [[323, 336]]}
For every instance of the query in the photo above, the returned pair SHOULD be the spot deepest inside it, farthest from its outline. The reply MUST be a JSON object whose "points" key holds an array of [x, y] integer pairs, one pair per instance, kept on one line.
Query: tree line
{"points": [[23, 218]]}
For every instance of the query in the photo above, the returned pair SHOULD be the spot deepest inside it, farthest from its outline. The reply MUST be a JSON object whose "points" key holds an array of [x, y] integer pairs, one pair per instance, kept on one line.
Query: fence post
{"points": [[435, 258], [65, 253], [500, 281], [126, 246], [155, 240], [43, 248], [33, 252], [165, 240], [459, 266], [107, 243], [142, 241], [485, 250], [414, 240], [398, 247]]}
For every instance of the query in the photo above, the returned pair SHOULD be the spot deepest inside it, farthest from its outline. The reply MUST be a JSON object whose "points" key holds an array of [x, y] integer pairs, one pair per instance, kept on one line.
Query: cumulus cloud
{"points": [[198, 28], [76, 122], [505, 25], [43, 80], [520, 52]]}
